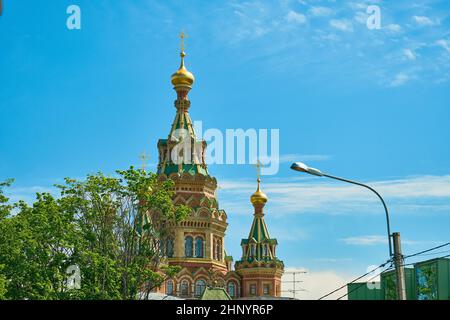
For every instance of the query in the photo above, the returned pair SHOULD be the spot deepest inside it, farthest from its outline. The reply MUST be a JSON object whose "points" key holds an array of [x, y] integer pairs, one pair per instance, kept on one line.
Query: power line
{"points": [[428, 250], [434, 253], [345, 285], [387, 269], [413, 263]]}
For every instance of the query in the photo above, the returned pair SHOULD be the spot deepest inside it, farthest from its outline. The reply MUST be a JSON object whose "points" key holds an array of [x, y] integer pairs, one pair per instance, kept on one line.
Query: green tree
{"points": [[5, 210], [122, 222], [2, 284], [35, 249], [112, 228]]}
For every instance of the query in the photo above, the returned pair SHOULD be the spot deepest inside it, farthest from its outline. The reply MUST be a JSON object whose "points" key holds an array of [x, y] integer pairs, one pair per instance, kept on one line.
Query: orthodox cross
{"points": [[144, 159], [258, 166], [182, 37]]}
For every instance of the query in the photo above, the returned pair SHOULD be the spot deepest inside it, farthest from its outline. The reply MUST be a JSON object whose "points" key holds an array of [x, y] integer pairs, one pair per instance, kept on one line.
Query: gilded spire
{"points": [[258, 197], [182, 78]]}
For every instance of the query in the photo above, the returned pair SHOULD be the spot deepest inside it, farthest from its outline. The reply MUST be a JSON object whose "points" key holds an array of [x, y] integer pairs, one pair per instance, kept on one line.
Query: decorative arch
{"points": [[203, 212], [184, 273], [174, 176], [201, 273]]}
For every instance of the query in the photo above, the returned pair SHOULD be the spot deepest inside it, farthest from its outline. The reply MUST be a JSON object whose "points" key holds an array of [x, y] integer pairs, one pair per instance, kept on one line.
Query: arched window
{"points": [[169, 248], [199, 247], [252, 250], [169, 287], [184, 288], [266, 252], [161, 247], [200, 286], [188, 244], [232, 289]]}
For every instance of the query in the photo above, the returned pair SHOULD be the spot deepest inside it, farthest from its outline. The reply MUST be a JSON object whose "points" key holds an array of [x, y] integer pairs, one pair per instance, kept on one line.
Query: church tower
{"points": [[197, 243], [259, 267]]}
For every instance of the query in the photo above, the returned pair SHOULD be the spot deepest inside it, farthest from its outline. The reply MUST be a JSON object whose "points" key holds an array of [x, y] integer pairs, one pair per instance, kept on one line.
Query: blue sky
{"points": [[370, 105]]}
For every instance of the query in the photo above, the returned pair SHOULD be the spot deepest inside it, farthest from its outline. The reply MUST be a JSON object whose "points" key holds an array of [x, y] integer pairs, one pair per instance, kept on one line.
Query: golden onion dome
{"points": [[182, 77], [258, 197]]}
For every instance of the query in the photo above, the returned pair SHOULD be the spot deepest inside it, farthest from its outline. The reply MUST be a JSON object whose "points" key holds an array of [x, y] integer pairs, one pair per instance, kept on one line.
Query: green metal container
{"points": [[389, 281], [433, 279], [364, 291]]}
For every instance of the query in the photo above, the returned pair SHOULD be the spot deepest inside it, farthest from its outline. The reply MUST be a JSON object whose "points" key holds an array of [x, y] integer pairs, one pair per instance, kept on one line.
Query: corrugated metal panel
{"points": [[433, 279], [389, 281], [364, 291]]}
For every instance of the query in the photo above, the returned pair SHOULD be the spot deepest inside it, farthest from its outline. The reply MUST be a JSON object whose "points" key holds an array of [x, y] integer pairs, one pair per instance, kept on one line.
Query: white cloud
{"points": [[444, 44], [320, 11], [295, 17], [294, 196], [342, 25], [399, 80], [409, 54], [365, 240], [424, 21], [370, 240], [393, 28], [302, 157], [361, 17], [332, 260]]}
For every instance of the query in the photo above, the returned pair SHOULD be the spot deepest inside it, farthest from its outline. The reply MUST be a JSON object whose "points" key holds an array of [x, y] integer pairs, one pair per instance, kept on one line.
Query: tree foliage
{"points": [[111, 228]]}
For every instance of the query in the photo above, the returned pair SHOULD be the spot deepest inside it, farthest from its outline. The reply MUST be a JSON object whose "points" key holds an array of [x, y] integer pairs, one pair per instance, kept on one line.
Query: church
{"points": [[197, 243]]}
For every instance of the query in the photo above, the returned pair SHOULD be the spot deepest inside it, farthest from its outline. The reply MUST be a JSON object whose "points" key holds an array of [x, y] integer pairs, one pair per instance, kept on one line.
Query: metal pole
{"points": [[294, 285], [382, 201], [399, 269]]}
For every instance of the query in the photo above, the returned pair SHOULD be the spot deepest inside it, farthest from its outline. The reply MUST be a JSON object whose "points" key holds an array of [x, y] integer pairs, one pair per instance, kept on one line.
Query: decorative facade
{"points": [[197, 243], [259, 268]]}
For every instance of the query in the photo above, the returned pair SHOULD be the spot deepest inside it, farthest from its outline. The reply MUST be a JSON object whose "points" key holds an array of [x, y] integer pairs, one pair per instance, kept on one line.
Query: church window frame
{"points": [[170, 247], [231, 289], [169, 287], [188, 246], [200, 287], [266, 289], [184, 288], [252, 289], [199, 247]]}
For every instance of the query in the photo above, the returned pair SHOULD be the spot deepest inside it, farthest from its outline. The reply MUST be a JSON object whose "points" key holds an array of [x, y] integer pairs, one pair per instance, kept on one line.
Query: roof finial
{"points": [[182, 79], [182, 37], [144, 159], [258, 166], [259, 196]]}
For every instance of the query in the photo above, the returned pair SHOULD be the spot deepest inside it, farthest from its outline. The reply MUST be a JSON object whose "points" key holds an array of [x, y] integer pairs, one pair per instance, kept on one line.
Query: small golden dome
{"points": [[182, 77], [258, 197]]}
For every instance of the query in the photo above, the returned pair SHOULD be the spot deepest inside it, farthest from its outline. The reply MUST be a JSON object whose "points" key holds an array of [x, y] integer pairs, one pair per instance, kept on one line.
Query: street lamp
{"points": [[397, 255]]}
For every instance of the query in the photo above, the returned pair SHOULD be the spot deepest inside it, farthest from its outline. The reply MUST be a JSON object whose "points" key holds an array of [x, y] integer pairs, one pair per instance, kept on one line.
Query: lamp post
{"points": [[396, 255]]}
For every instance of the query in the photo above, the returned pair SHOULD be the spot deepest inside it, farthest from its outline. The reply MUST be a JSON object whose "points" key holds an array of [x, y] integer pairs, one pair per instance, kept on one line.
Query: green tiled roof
{"points": [[192, 169], [215, 294]]}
